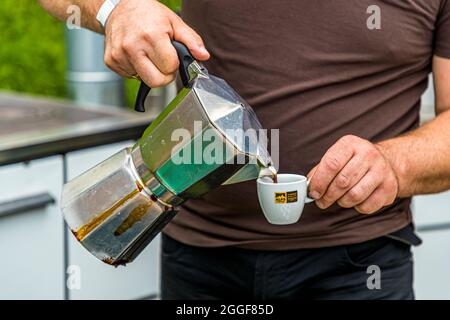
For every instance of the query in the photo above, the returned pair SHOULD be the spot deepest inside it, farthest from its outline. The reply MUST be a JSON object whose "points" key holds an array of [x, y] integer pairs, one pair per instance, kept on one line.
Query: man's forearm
{"points": [[421, 157], [137, 37], [89, 10]]}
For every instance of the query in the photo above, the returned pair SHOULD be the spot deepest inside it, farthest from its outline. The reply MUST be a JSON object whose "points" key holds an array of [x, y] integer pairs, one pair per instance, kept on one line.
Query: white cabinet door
{"points": [[431, 209], [139, 279], [31, 241], [432, 258], [432, 266]]}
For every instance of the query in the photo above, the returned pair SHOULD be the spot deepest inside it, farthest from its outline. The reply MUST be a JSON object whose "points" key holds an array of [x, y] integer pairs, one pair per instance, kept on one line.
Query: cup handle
{"points": [[308, 199]]}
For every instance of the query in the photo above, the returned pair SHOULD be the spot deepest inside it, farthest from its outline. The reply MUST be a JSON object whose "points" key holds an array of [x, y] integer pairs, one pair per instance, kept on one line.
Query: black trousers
{"points": [[377, 269]]}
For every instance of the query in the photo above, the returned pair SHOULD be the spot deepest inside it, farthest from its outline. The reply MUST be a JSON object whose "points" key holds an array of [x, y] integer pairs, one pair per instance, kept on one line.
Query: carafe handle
{"points": [[185, 58]]}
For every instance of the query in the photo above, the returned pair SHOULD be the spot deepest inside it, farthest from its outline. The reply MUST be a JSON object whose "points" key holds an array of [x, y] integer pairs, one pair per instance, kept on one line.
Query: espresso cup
{"points": [[282, 203]]}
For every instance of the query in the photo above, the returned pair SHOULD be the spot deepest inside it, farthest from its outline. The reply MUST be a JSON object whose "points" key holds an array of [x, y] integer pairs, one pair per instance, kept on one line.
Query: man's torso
{"points": [[316, 71]]}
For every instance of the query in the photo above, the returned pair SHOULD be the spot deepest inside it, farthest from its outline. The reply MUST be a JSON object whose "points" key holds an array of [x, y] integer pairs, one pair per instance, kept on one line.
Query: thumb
{"points": [[310, 176], [187, 36], [312, 172]]}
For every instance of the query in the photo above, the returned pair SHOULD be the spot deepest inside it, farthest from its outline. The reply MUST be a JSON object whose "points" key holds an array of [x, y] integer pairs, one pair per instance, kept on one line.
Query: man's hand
{"points": [[138, 41], [354, 173]]}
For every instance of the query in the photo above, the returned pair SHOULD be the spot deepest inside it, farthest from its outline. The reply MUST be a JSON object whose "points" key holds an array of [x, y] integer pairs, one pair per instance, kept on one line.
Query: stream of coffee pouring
{"points": [[270, 172]]}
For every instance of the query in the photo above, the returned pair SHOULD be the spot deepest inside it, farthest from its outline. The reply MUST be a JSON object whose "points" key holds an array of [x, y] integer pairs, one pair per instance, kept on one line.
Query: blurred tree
{"points": [[32, 56], [175, 5], [31, 49]]}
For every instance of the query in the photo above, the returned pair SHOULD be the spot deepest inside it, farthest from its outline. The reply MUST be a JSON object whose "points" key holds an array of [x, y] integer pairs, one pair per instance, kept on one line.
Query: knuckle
{"points": [[342, 181], [383, 165], [332, 163], [172, 65], [328, 197], [351, 139], [348, 138], [174, 17], [128, 46], [116, 55], [196, 37], [372, 153], [355, 195], [148, 36], [168, 66], [108, 61], [379, 166]]}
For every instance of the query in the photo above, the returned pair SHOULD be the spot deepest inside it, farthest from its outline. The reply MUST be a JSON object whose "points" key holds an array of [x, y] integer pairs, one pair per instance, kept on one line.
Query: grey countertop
{"points": [[32, 127]]}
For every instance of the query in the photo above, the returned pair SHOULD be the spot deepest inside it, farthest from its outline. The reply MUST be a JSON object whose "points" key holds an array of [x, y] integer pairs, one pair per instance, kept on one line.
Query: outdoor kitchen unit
{"points": [[42, 144]]}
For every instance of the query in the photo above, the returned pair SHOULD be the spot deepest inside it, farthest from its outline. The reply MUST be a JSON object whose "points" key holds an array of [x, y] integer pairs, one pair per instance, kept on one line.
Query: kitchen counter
{"points": [[32, 127], [40, 150]]}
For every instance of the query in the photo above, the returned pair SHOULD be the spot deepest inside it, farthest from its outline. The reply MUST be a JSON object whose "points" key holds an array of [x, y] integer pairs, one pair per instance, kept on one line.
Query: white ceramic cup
{"points": [[283, 202]]}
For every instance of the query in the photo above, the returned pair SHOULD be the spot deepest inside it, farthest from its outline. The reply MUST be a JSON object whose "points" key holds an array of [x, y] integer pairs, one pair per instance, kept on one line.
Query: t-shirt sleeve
{"points": [[442, 36]]}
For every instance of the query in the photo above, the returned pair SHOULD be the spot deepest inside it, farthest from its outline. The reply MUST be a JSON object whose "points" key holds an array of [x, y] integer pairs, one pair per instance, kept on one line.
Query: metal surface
{"points": [[19, 115], [150, 182], [111, 212], [117, 207], [88, 79], [211, 106], [157, 143], [32, 128], [433, 227], [233, 117]]}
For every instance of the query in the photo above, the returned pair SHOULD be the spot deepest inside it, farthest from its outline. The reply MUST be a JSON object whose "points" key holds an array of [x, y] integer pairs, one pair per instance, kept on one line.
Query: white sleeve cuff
{"points": [[105, 11]]}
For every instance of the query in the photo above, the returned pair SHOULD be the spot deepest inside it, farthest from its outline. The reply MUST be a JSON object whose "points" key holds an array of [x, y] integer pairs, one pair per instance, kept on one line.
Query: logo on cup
{"points": [[292, 196], [286, 197]]}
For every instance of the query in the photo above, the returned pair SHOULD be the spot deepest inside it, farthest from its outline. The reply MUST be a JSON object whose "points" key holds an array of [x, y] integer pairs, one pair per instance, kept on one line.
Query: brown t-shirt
{"points": [[314, 70]]}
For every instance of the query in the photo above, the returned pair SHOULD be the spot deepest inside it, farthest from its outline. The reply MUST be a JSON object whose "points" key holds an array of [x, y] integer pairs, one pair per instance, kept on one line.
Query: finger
{"points": [[362, 190], [309, 177], [331, 164], [346, 179], [373, 203], [113, 65], [122, 62], [186, 35], [116, 58], [163, 55], [149, 73], [311, 173]]}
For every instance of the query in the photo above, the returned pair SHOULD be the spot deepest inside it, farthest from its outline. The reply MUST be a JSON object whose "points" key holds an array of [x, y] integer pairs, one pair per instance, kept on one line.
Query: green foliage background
{"points": [[31, 49], [32, 53]]}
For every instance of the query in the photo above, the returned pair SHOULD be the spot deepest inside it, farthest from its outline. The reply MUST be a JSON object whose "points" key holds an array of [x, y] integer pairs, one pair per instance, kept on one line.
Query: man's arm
{"points": [[89, 9], [357, 173], [138, 36], [422, 157]]}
